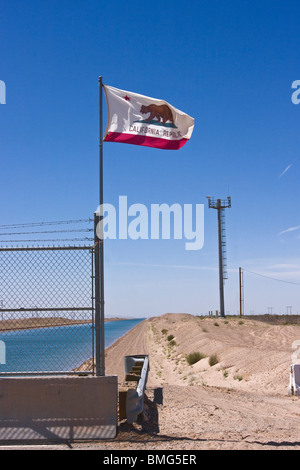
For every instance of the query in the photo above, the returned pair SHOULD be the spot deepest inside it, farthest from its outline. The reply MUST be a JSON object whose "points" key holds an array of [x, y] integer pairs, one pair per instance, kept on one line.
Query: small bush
{"points": [[164, 331], [216, 323], [172, 342], [213, 359], [238, 377], [170, 337], [194, 357]]}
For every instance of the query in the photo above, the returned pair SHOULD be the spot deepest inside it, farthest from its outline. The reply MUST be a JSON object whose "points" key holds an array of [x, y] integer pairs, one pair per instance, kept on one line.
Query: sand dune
{"points": [[241, 402]]}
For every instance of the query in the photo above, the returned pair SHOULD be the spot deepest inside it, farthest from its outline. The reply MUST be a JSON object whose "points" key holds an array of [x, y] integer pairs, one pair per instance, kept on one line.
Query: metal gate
{"points": [[47, 310]]}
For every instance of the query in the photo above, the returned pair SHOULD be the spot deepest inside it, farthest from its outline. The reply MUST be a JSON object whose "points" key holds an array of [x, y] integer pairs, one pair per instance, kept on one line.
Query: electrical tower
{"points": [[221, 205]]}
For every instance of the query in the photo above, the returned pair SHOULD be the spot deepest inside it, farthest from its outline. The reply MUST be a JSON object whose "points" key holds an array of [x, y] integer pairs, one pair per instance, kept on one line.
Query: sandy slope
{"points": [[241, 402]]}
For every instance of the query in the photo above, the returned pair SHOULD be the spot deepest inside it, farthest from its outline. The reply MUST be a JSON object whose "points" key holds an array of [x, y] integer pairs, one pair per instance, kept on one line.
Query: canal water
{"points": [[55, 349]]}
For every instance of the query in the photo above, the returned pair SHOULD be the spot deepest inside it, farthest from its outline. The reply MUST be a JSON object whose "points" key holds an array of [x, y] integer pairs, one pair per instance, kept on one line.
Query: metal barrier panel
{"points": [[136, 369], [46, 310], [58, 408]]}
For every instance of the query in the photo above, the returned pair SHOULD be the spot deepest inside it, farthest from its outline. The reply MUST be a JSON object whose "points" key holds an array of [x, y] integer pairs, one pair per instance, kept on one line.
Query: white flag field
{"points": [[140, 120]]}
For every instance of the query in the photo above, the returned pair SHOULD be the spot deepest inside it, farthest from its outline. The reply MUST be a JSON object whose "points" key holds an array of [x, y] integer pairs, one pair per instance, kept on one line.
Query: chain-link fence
{"points": [[46, 310]]}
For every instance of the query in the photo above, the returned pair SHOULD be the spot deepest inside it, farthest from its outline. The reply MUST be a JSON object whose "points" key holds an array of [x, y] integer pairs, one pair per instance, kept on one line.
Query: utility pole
{"points": [[241, 284], [220, 206]]}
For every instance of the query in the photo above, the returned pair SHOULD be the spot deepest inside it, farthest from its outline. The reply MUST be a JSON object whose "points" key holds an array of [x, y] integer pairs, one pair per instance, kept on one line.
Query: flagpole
{"points": [[101, 339]]}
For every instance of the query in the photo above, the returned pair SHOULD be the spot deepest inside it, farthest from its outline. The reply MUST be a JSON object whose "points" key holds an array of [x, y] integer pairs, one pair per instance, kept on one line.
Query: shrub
{"points": [[213, 359], [170, 337], [194, 357], [164, 331], [238, 377]]}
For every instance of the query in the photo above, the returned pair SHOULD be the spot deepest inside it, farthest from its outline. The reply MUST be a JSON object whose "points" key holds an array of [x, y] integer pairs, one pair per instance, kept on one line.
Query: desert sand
{"points": [[240, 403]]}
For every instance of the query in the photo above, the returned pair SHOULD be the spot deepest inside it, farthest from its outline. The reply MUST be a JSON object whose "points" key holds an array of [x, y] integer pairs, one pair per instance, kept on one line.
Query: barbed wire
{"points": [[42, 224], [39, 224], [47, 231], [48, 240]]}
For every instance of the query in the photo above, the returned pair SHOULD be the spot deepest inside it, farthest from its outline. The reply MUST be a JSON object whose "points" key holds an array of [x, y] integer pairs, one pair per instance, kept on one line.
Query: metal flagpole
{"points": [[99, 314], [97, 294]]}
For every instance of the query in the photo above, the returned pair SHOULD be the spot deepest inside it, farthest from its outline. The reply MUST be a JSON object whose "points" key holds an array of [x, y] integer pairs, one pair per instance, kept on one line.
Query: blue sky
{"points": [[230, 65]]}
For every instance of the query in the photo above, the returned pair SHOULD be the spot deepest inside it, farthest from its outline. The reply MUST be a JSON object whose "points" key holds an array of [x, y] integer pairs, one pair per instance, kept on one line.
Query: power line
{"points": [[273, 278]]}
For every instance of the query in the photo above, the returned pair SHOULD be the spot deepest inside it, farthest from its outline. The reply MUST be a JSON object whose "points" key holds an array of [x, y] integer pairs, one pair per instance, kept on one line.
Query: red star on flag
{"points": [[126, 98]]}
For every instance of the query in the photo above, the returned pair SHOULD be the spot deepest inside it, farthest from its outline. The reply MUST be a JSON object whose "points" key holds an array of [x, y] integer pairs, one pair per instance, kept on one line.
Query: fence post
{"points": [[97, 296]]}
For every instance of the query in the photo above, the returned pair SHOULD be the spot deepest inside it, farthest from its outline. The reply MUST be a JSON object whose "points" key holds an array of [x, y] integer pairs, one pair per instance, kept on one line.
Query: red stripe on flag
{"points": [[145, 141]]}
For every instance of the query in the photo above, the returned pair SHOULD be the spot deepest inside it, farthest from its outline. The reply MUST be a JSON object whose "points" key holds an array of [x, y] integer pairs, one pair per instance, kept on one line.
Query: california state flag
{"points": [[141, 120]]}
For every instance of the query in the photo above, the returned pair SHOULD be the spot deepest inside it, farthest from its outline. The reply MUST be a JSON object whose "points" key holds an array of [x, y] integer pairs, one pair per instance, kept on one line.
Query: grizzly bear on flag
{"points": [[160, 112]]}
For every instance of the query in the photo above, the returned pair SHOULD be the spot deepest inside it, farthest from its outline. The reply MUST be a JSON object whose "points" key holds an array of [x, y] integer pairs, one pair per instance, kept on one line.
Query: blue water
{"points": [[55, 349]]}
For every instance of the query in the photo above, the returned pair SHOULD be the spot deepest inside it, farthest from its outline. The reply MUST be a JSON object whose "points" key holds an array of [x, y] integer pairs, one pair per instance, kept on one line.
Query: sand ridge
{"points": [[241, 402]]}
